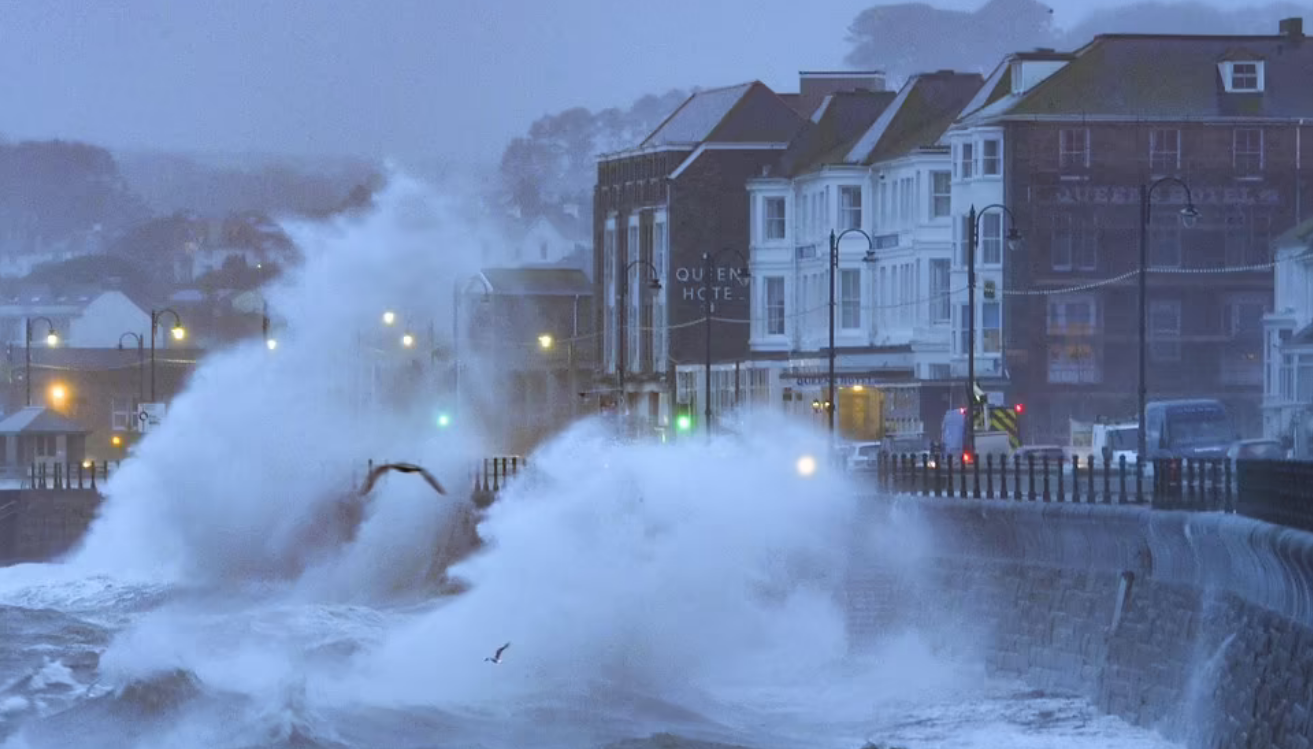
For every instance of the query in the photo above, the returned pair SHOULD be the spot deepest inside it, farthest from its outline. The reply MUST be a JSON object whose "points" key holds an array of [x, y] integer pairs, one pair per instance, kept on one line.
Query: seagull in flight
{"points": [[496, 657], [379, 470]]}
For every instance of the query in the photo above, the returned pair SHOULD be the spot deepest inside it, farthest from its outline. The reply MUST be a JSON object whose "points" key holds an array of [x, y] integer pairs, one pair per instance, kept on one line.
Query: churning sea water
{"points": [[659, 594]]}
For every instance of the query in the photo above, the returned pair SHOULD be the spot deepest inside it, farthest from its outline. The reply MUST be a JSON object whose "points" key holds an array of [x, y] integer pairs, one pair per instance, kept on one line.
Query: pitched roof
{"points": [[839, 119], [925, 107], [698, 116], [1147, 76], [39, 420], [537, 281]]}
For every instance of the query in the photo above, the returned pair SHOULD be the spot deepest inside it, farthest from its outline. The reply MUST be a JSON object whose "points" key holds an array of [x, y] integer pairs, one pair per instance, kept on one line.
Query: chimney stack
{"points": [[1292, 28]]}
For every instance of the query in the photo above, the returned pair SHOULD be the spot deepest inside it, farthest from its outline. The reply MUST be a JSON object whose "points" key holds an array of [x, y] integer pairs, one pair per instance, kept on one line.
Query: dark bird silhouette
{"points": [[379, 470], [496, 657]]}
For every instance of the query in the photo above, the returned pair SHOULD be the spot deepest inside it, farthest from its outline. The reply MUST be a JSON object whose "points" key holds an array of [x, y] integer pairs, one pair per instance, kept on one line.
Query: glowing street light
{"points": [[271, 343], [806, 466], [407, 340], [58, 394], [178, 332], [444, 420], [51, 339], [116, 441], [389, 317], [545, 341]]}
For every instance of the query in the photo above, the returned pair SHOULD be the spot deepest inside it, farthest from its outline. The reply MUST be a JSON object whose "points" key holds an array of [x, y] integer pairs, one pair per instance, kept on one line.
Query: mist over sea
{"points": [[683, 589]]}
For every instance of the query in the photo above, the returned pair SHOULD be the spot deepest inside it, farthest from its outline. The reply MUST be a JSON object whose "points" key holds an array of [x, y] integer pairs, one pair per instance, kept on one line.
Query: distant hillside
{"points": [[216, 186]]}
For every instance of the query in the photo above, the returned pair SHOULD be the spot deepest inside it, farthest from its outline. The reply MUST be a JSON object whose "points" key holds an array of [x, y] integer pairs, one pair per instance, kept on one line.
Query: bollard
{"points": [[1121, 477], [1044, 464]]}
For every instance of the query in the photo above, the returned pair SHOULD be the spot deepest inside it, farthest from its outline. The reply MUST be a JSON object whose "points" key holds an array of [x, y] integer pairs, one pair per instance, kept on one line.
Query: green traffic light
{"points": [[683, 423]]}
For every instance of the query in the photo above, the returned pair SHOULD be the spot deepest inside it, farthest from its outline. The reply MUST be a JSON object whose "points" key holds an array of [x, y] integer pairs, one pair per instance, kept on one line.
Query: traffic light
{"points": [[683, 417], [1020, 408]]}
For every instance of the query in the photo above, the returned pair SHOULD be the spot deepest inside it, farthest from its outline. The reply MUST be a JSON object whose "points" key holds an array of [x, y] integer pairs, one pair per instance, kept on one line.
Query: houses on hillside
{"points": [[1066, 148]]}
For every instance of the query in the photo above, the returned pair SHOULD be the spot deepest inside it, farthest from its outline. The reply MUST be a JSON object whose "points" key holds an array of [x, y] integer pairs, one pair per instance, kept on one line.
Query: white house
{"points": [[871, 163], [1288, 333], [91, 319]]}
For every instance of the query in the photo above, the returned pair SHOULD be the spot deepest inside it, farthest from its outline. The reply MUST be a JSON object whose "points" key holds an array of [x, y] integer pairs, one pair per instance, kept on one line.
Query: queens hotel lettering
{"points": [[727, 284]]}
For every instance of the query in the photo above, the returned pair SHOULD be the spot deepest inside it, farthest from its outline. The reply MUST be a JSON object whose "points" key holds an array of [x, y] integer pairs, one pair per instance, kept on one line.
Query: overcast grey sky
{"points": [[401, 78]]}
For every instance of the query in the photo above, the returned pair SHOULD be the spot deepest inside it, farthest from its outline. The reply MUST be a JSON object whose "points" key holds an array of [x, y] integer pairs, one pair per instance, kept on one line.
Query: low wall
{"points": [[39, 524], [1197, 624]]}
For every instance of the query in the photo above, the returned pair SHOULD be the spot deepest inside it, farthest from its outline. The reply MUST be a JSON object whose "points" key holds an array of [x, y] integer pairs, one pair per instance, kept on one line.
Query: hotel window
{"points": [[1165, 239], [991, 238], [968, 161], [941, 192], [1247, 148], [121, 414], [990, 164], [850, 207], [775, 226], [991, 327], [1164, 151], [1073, 358], [1165, 330], [851, 293], [775, 305], [940, 308], [1074, 149]]}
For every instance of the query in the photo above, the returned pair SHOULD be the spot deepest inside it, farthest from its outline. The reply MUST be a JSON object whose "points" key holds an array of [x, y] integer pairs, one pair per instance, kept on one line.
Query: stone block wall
{"points": [[1195, 625], [42, 524]]}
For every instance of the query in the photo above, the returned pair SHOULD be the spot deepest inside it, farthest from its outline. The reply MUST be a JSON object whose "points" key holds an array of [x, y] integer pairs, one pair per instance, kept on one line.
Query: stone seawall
{"points": [[1197, 624], [37, 525]]}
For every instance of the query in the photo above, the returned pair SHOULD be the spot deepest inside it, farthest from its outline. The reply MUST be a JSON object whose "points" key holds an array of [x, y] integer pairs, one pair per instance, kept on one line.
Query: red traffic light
{"points": [[961, 410], [1019, 408], [968, 458]]}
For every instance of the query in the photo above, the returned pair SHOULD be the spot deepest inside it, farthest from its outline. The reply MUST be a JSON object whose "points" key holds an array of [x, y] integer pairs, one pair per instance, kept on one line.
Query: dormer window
{"points": [[1242, 73], [1244, 76]]}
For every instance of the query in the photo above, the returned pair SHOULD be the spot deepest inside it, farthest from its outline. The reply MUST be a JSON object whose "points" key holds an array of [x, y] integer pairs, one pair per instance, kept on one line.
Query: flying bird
{"points": [[496, 657], [379, 470]]}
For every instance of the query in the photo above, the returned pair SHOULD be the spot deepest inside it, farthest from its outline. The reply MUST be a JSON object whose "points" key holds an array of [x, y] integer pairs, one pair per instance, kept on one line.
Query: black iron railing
{"points": [[1172, 483], [46, 475]]}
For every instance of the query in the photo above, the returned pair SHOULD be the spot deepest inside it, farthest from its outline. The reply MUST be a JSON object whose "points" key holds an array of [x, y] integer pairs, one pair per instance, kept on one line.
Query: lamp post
{"points": [[141, 363], [1188, 217], [973, 242], [269, 342], [709, 267], [52, 338], [833, 398], [654, 285], [177, 331], [455, 335]]}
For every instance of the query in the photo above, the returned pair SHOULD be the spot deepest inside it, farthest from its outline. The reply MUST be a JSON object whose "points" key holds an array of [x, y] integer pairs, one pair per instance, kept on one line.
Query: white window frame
{"points": [[634, 313], [1243, 154], [850, 298], [991, 337], [610, 271], [1164, 150], [660, 259], [940, 310], [774, 227], [775, 305], [967, 160], [122, 414], [990, 245], [941, 201], [1242, 72], [991, 165], [850, 207], [1074, 149]]}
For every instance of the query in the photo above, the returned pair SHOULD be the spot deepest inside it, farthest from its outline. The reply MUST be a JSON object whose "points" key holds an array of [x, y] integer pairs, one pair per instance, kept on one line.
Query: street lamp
{"points": [[58, 394], [407, 340], [545, 341], [178, 331], [973, 241], [141, 363], [709, 267], [269, 342], [655, 285], [1188, 216], [834, 264], [455, 332], [52, 339], [389, 317]]}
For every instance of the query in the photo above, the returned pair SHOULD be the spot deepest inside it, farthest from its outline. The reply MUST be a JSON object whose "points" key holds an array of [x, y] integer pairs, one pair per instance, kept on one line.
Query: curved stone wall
{"points": [[1198, 624]]}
